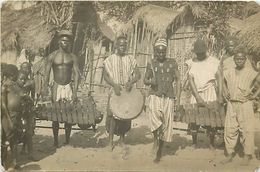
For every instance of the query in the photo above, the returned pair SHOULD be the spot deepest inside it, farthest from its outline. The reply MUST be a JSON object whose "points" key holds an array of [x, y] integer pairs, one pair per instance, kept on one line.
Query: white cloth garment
{"points": [[64, 92]]}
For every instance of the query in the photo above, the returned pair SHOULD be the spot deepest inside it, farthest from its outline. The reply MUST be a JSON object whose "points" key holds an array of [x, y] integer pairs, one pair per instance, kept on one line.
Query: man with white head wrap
{"points": [[160, 75]]}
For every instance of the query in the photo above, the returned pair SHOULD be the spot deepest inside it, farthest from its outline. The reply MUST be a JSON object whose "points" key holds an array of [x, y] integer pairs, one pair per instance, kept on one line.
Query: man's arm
{"points": [[76, 75], [47, 73], [4, 108], [178, 85], [148, 76], [110, 81], [194, 90], [137, 75], [219, 77], [257, 82]]}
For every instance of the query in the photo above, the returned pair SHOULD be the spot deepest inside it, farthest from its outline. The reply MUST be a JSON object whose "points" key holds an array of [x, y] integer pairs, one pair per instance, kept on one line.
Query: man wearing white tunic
{"points": [[240, 119], [160, 75], [204, 77], [120, 71]]}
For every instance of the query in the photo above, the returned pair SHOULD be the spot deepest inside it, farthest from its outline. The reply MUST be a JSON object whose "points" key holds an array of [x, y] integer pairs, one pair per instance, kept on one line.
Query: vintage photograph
{"points": [[130, 86]]}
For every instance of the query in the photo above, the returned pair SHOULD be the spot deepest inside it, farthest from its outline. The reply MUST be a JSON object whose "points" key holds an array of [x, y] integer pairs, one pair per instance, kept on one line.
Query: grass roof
{"points": [[25, 28]]}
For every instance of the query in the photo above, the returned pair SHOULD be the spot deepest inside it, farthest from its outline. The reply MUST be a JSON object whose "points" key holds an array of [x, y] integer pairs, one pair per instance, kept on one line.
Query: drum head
{"points": [[128, 105]]}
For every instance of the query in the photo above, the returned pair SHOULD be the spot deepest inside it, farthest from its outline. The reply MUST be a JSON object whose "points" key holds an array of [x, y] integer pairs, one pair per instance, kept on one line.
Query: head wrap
{"points": [[66, 33], [161, 41]]}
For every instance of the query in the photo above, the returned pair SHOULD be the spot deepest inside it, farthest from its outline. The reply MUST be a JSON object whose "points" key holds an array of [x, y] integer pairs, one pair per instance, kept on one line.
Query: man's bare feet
{"points": [[228, 159], [110, 147]]}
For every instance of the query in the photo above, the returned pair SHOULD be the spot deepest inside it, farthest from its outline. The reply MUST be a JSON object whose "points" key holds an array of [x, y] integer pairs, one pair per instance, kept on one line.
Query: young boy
{"points": [[11, 109], [240, 114], [27, 114]]}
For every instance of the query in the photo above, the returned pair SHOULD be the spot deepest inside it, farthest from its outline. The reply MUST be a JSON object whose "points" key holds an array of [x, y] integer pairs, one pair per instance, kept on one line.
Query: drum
{"points": [[128, 105], [211, 115], [83, 112]]}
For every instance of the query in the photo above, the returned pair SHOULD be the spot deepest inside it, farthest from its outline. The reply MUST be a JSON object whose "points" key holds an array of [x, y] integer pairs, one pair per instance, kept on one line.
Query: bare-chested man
{"points": [[64, 64]]}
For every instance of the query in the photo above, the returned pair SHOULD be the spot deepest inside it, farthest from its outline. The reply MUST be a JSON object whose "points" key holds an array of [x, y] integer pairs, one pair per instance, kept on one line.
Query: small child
{"points": [[27, 114], [11, 110]]}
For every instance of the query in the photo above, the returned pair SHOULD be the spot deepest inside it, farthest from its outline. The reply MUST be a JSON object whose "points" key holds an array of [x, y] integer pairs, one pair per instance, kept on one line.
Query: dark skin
{"points": [[11, 95], [64, 64], [27, 85], [240, 61], [121, 52], [160, 55], [200, 102], [230, 47]]}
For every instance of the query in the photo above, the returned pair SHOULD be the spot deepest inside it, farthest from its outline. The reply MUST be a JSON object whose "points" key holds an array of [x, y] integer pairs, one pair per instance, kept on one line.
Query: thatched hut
{"points": [[23, 28], [150, 22], [247, 31]]}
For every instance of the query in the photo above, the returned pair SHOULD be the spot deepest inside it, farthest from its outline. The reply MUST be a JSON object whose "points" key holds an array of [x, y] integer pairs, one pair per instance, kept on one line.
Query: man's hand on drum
{"points": [[128, 86], [117, 89]]}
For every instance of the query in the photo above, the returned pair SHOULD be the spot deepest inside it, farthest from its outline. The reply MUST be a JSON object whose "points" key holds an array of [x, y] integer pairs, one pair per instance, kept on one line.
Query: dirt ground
{"points": [[88, 151]]}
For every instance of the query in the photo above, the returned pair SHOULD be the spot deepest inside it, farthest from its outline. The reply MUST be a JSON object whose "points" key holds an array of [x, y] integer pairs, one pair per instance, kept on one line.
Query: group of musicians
{"points": [[228, 81], [231, 82]]}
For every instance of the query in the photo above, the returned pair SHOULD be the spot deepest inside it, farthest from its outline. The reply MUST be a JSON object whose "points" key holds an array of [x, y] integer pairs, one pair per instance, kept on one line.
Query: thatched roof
{"points": [[105, 29], [25, 28], [159, 19], [248, 32]]}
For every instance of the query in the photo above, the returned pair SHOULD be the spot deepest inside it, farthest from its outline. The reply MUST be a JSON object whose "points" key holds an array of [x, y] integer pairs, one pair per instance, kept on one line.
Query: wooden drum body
{"points": [[211, 115]]}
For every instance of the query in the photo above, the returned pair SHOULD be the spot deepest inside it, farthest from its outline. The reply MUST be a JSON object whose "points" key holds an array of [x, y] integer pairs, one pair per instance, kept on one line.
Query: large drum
{"points": [[211, 115], [128, 105], [83, 112]]}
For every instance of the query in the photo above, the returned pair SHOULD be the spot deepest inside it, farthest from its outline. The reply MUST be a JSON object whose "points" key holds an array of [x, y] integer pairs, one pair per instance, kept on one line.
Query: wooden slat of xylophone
{"points": [[63, 112], [41, 110], [69, 114], [79, 113], [182, 113], [207, 118], [194, 113], [55, 114], [212, 115], [48, 111], [203, 113], [199, 116], [74, 113], [222, 115], [218, 117], [187, 112], [91, 114], [85, 112]]}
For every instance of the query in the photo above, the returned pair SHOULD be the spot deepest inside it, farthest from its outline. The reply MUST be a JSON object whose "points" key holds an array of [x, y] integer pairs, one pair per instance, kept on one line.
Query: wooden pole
{"points": [[135, 42]]}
